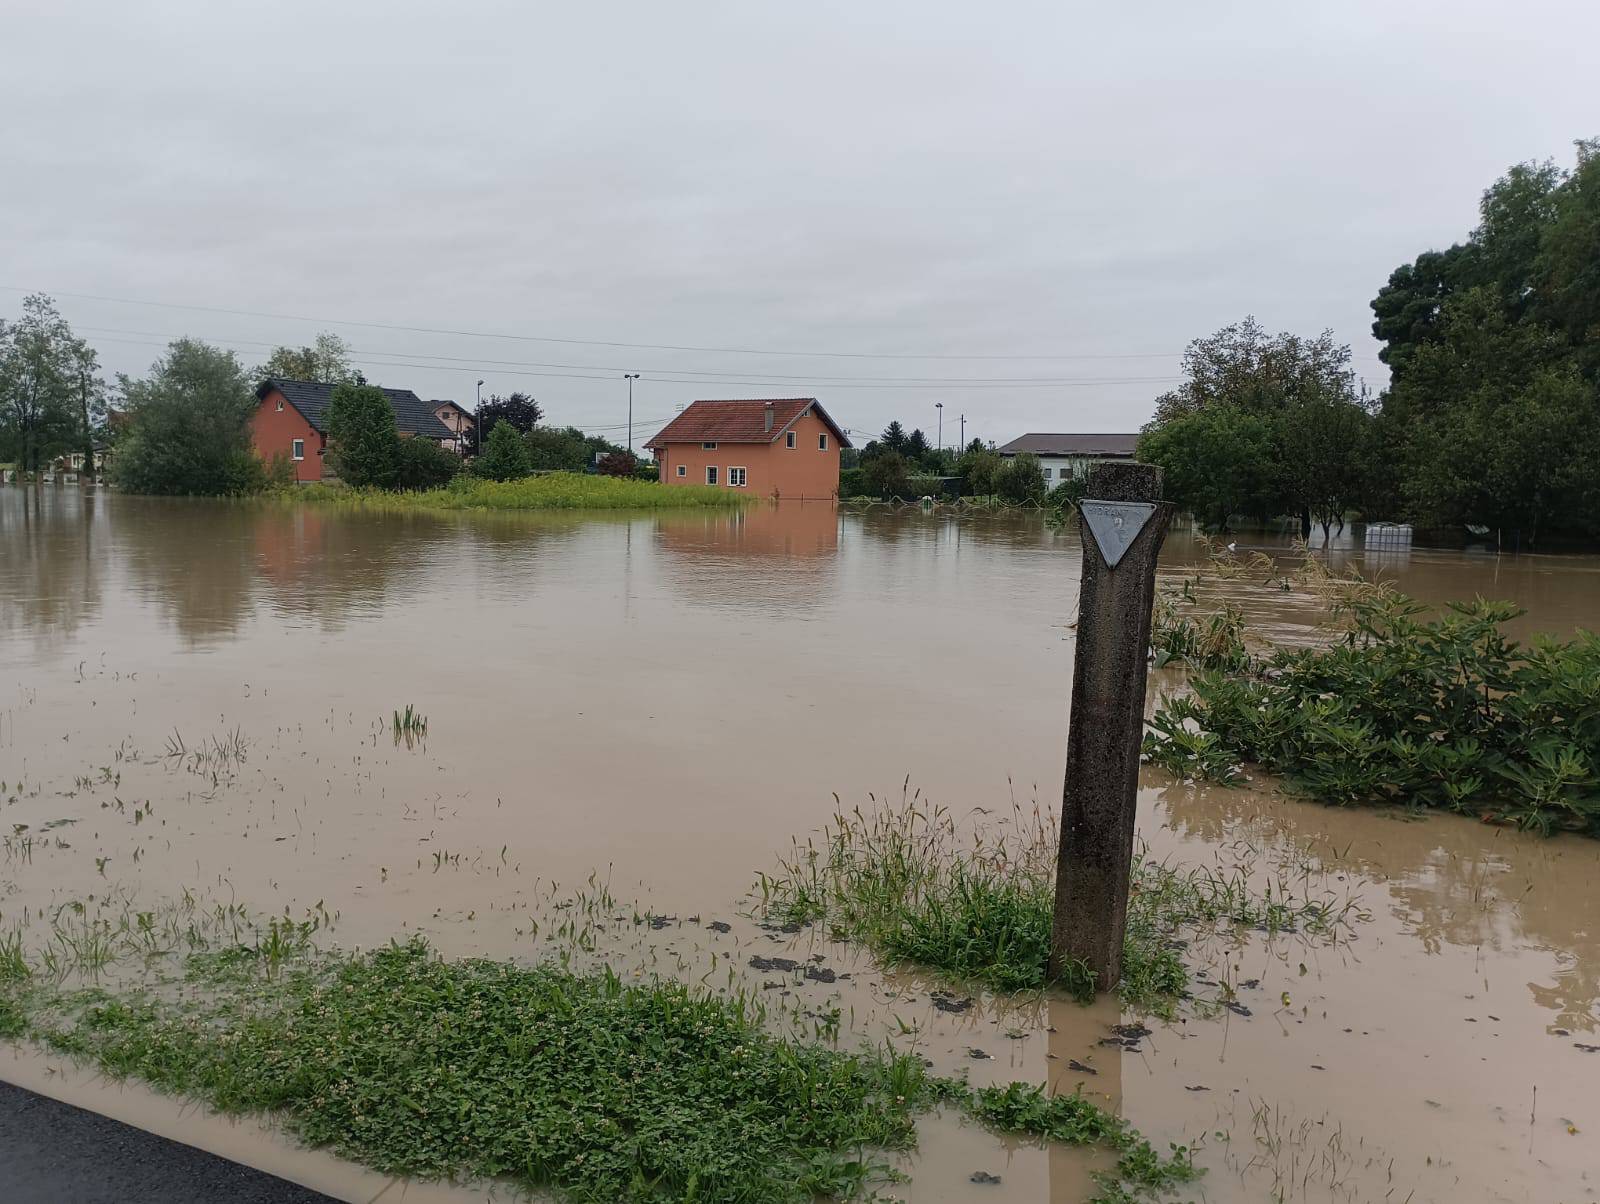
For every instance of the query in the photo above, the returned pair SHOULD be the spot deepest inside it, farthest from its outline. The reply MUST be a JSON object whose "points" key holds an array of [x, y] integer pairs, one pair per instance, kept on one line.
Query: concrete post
{"points": [[1123, 522]]}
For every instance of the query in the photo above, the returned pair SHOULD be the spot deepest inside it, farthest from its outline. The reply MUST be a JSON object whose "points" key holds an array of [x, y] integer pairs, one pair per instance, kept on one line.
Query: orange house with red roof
{"points": [[780, 448]]}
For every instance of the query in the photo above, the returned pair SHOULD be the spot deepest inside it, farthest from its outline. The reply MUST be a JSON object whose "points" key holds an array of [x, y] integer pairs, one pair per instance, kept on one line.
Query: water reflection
{"points": [[774, 558], [53, 561], [1448, 881]]}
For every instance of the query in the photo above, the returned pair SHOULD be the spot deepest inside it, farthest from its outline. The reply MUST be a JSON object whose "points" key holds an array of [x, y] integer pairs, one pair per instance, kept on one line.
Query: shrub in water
{"points": [[1445, 712]]}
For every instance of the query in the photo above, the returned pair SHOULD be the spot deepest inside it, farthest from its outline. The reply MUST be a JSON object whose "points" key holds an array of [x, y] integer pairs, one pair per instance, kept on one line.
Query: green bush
{"points": [[978, 468], [1020, 479], [1446, 713], [887, 475], [363, 439], [853, 482], [189, 429], [1068, 494], [505, 455], [423, 464]]}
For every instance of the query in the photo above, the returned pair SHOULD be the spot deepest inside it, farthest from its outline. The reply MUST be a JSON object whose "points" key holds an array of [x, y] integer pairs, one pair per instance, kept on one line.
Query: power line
{"points": [[532, 338], [449, 363]]}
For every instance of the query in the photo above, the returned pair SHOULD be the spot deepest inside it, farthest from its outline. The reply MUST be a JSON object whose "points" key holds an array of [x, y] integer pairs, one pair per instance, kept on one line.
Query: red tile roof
{"points": [[741, 421]]}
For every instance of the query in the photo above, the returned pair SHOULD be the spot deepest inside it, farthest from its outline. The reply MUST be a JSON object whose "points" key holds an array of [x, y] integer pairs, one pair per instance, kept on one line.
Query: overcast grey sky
{"points": [[911, 179]]}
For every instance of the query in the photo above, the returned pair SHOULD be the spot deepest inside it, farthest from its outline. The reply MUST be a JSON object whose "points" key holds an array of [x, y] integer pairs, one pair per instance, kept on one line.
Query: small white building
{"points": [[1068, 457]]}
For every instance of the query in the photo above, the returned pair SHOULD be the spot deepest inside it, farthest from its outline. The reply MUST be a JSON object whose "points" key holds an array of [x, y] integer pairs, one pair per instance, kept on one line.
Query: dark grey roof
{"points": [[1044, 444], [412, 415]]}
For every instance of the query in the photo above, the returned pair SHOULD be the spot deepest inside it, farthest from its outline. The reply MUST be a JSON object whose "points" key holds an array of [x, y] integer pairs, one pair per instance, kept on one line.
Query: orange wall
{"points": [[273, 431], [771, 469]]}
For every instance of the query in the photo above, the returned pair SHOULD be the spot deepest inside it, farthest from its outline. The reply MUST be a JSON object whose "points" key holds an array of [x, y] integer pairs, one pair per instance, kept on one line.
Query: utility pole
{"points": [[1124, 521], [630, 377], [939, 405], [477, 419]]}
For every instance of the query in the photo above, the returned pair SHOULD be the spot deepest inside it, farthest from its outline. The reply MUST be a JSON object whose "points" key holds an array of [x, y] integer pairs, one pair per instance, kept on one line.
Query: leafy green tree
{"points": [[1244, 367], [979, 467], [1489, 415], [45, 374], [327, 360], [1407, 308], [1568, 264], [1323, 453], [887, 475], [1515, 212], [1501, 424], [1020, 479], [518, 409], [363, 439], [566, 448], [189, 426], [423, 464], [1218, 462], [505, 455]]}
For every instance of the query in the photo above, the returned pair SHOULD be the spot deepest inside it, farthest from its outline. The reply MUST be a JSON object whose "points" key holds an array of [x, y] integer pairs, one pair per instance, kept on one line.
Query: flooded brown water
{"points": [[666, 700]]}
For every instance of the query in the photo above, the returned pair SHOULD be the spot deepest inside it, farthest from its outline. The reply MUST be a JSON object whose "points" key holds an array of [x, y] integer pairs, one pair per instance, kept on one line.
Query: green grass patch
{"points": [[550, 491], [596, 1089], [1441, 713], [977, 902]]}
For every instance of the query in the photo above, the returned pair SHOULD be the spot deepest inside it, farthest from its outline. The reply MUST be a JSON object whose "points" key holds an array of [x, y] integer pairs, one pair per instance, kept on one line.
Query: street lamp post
{"points": [[939, 405], [630, 377], [477, 420]]}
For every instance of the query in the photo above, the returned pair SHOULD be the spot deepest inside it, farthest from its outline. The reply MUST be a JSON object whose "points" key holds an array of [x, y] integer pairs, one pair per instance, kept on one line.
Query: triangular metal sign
{"points": [[1115, 525]]}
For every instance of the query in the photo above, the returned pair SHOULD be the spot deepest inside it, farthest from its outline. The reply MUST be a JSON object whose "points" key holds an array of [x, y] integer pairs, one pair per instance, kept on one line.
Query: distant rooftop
{"points": [[411, 415], [1044, 443], [741, 420]]}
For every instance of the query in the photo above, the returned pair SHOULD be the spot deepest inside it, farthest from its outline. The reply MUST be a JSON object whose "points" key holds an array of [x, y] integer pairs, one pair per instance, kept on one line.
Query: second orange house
{"points": [[781, 448]]}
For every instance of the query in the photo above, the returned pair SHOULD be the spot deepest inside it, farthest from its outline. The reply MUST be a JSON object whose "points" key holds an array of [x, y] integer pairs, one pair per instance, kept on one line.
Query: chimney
{"points": [[768, 426]]}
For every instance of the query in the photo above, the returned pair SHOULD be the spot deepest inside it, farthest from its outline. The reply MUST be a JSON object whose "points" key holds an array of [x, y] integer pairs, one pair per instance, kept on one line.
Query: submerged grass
{"points": [[551, 491], [915, 885], [599, 1090]]}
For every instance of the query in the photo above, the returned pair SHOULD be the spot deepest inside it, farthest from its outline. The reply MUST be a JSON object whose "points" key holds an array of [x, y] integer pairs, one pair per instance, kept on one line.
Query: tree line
{"points": [[184, 427], [903, 465], [1492, 414]]}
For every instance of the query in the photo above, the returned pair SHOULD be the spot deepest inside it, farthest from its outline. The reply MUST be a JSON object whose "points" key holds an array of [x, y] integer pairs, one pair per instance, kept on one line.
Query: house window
{"points": [[280, 405], [735, 478], [683, 470], [788, 440], [711, 474], [299, 452], [1047, 473], [822, 443], [708, 447]]}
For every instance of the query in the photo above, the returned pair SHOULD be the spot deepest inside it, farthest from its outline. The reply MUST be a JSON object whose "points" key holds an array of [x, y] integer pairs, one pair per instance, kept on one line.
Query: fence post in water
{"points": [[1124, 521]]}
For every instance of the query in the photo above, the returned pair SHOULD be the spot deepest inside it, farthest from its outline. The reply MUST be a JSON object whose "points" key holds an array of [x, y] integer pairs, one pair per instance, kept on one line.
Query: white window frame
{"points": [[711, 474], [822, 441], [683, 470], [280, 405], [788, 440], [708, 446], [297, 449], [737, 477]]}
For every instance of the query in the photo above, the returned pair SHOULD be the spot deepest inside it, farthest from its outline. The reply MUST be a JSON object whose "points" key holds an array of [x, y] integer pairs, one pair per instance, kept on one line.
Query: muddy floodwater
{"points": [[199, 697]]}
